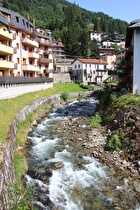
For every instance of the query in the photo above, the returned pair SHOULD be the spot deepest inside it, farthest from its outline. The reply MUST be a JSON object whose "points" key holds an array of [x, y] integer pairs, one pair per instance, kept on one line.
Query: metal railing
{"points": [[24, 80]]}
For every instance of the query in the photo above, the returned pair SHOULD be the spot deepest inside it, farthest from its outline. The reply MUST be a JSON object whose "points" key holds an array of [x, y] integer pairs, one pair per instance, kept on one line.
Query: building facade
{"points": [[29, 51], [132, 56], [89, 70], [6, 49]]}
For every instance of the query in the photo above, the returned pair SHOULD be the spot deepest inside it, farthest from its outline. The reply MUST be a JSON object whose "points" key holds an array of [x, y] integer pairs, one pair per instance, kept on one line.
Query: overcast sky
{"points": [[127, 10]]}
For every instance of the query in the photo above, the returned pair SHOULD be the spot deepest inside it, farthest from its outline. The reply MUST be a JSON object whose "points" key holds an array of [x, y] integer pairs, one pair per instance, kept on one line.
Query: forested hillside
{"points": [[68, 23], [51, 14]]}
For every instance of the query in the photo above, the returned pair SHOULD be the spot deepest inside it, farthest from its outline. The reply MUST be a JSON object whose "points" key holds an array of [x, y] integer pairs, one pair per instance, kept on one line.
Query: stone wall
{"points": [[62, 77]]}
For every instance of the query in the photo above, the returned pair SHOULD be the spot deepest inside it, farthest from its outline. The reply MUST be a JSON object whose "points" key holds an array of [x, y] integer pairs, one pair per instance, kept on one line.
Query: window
{"points": [[75, 66], [78, 65], [104, 66], [17, 19], [18, 60], [27, 24], [23, 22]]}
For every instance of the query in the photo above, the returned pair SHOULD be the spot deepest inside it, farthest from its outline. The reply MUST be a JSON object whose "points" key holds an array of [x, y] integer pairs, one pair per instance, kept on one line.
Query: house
{"points": [[95, 35], [106, 50], [89, 70], [31, 52], [132, 56]]}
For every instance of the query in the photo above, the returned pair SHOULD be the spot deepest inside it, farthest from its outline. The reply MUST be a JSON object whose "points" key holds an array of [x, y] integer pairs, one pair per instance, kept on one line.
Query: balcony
{"points": [[4, 64], [47, 71], [45, 42], [33, 55], [47, 52], [4, 49], [30, 68], [4, 33], [30, 42], [44, 60]]}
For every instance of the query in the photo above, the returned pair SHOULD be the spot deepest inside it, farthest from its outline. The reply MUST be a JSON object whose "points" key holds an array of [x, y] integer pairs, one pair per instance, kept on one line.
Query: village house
{"points": [[95, 35], [89, 70], [132, 56]]}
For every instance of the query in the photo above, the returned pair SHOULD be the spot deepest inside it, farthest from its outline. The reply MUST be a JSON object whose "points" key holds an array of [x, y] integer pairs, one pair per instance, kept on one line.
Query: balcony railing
{"points": [[33, 55], [24, 80], [6, 64], [29, 67], [30, 42], [5, 33], [44, 60], [6, 49]]}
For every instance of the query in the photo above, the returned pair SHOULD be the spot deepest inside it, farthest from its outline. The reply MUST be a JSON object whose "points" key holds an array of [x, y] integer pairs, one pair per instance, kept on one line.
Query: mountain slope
{"points": [[51, 14]]}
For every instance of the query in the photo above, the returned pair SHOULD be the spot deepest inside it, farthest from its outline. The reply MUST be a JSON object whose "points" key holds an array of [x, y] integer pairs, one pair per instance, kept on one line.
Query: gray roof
{"points": [[18, 20], [3, 20]]}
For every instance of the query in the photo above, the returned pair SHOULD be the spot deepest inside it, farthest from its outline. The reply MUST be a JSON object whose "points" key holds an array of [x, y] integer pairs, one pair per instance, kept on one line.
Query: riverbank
{"points": [[93, 142], [60, 147]]}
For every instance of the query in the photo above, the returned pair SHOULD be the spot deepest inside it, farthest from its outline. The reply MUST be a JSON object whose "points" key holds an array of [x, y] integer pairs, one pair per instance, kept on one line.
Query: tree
{"points": [[75, 34], [93, 49]]}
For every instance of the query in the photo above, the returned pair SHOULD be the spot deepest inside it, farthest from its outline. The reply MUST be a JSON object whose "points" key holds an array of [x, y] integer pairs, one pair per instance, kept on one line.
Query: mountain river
{"points": [[65, 175]]}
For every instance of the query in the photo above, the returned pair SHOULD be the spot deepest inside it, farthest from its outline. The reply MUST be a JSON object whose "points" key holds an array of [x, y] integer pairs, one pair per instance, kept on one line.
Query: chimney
{"points": [[27, 16]]}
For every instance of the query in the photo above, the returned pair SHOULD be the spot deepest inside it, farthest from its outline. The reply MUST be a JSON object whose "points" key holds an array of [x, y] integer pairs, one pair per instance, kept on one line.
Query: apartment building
{"points": [[6, 50], [32, 55]]}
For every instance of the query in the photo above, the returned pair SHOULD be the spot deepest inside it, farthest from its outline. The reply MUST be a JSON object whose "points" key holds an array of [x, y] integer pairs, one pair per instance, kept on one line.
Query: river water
{"points": [[65, 176]]}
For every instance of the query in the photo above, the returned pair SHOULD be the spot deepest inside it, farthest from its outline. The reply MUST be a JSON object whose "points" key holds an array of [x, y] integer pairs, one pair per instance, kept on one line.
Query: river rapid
{"points": [[65, 174]]}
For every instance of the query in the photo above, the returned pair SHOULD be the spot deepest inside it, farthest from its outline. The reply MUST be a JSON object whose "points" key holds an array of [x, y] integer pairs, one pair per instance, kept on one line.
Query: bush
{"points": [[65, 96], [95, 121], [114, 143]]}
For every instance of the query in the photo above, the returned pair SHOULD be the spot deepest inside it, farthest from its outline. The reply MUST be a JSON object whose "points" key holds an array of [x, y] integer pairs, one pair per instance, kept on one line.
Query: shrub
{"points": [[65, 96], [114, 143], [95, 121]]}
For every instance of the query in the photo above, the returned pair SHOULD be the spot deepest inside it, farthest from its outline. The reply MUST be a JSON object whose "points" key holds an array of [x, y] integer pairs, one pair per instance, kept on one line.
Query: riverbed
{"points": [[66, 167]]}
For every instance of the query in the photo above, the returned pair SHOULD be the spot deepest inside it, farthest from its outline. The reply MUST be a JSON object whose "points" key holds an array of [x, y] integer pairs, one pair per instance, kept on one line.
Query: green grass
{"points": [[70, 87], [10, 107]]}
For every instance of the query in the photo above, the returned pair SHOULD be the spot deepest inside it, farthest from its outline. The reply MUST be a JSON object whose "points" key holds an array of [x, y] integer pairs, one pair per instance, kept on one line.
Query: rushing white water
{"points": [[81, 183]]}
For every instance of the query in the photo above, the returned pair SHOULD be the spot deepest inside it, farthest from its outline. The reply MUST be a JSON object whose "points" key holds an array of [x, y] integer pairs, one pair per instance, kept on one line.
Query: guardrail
{"points": [[4, 80]]}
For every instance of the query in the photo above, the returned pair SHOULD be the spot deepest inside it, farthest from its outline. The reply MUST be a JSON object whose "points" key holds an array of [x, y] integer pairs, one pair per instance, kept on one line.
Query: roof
{"points": [[95, 61], [129, 33]]}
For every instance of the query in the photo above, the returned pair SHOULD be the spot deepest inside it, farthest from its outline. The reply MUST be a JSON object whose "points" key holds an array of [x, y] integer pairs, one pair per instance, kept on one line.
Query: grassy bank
{"points": [[10, 107], [121, 116], [72, 87]]}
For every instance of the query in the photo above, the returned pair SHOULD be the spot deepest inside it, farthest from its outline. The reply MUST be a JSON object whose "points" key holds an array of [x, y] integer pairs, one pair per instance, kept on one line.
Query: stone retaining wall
{"points": [[61, 77]]}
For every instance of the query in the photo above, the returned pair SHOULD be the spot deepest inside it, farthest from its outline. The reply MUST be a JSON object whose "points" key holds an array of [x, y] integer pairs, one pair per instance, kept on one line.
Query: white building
{"points": [[89, 70], [133, 56], [96, 35]]}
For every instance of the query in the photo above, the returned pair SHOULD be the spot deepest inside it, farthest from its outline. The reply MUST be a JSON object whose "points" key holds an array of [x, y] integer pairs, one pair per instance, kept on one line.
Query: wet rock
{"points": [[57, 165], [137, 185]]}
